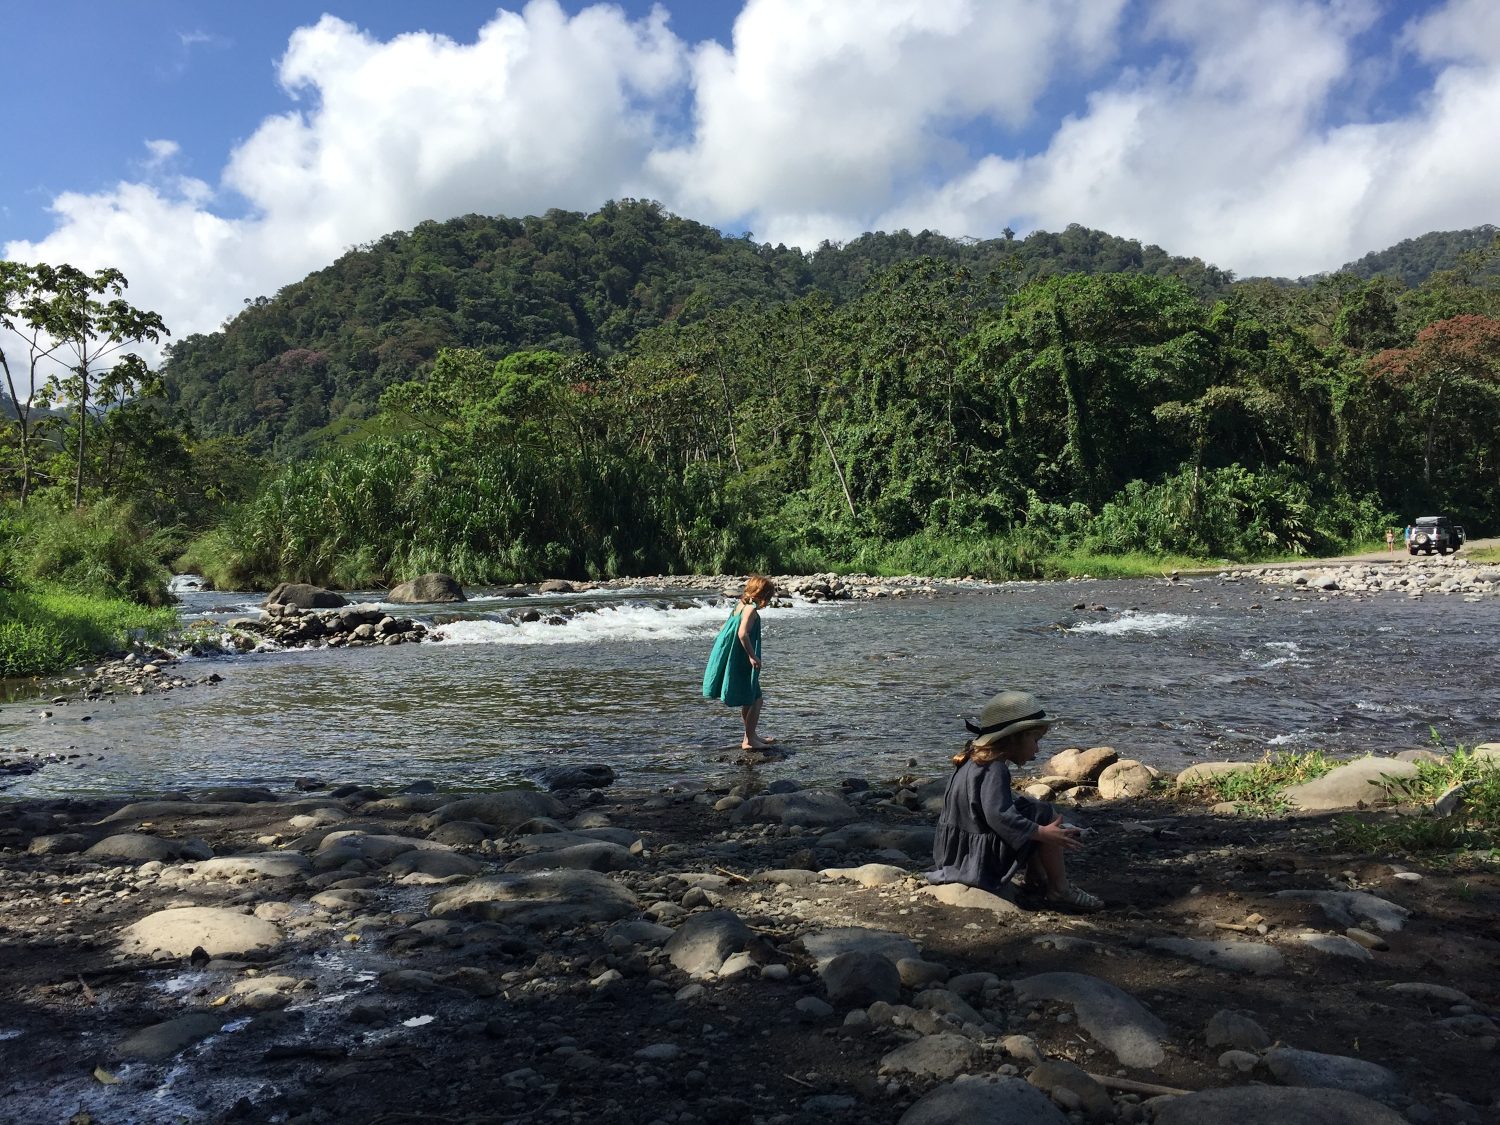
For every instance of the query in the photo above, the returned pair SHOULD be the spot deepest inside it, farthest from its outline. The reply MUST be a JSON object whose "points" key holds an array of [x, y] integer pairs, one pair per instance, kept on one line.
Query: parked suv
{"points": [[1435, 533]]}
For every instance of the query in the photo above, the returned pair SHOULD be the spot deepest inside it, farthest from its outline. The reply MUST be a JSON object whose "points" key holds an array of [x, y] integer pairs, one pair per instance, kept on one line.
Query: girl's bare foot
{"points": [[756, 743]]}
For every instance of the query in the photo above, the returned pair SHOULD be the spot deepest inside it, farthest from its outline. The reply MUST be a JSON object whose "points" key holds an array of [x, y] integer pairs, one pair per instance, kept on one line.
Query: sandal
{"points": [[1076, 898]]}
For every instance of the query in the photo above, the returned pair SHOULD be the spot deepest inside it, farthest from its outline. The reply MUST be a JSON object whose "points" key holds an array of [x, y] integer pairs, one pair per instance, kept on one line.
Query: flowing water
{"points": [[1168, 673]]}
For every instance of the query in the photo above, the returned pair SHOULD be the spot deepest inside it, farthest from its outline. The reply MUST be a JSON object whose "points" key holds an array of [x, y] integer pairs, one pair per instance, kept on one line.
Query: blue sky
{"points": [[219, 151]]}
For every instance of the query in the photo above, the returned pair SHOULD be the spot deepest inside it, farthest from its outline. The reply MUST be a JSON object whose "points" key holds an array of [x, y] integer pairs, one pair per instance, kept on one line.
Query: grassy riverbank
{"points": [[47, 628]]}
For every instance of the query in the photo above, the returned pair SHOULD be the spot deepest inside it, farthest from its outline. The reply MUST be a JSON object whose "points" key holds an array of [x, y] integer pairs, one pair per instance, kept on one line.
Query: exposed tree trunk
{"points": [[844, 484], [734, 448], [83, 426]]}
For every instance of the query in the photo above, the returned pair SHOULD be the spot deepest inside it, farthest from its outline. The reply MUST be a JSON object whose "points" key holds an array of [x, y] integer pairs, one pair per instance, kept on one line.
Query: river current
{"points": [[1167, 673]]}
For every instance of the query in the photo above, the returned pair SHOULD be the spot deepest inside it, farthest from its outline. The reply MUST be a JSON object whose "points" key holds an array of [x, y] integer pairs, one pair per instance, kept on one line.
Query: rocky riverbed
{"points": [[712, 951], [1450, 576]]}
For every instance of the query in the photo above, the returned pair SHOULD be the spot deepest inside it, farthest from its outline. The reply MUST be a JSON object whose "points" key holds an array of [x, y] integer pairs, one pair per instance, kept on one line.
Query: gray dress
{"points": [[986, 833]]}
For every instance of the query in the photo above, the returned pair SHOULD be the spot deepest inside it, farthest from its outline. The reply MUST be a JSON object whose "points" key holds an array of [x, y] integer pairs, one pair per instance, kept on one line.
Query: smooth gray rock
{"points": [[505, 810], [424, 865], [970, 898], [427, 589], [1235, 1029], [178, 931], [825, 945], [624, 935], [932, 1056], [302, 595], [947, 1003], [537, 900], [161, 1041], [810, 808], [58, 843], [867, 875], [258, 865], [1350, 786], [705, 941], [859, 979], [1231, 956], [1292, 1067], [375, 847], [240, 794], [161, 810], [578, 777], [595, 855], [134, 847], [916, 841], [1117, 1020], [1060, 1078], [1351, 908], [1336, 945], [1273, 1105], [982, 1101]]}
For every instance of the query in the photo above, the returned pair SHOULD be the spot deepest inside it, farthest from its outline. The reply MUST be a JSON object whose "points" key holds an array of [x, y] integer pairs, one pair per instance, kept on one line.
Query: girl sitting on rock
{"points": [[986, 833]]}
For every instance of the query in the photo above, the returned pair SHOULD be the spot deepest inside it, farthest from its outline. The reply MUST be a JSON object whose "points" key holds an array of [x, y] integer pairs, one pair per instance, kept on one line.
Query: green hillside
{"points": [[1414, 260], [323, 349]]}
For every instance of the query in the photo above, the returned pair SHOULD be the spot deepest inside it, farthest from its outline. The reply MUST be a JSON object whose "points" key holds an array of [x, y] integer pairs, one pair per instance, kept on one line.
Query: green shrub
{"points": [[101, 550], [48, 629], [1475, 824], [1257, 791]]}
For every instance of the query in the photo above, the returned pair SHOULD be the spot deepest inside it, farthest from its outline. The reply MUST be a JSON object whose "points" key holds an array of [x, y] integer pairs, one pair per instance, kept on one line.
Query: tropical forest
{"points": [[629, 392]]}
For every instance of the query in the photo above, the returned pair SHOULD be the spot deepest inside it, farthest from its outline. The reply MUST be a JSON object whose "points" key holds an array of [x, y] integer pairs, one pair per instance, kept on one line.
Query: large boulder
{"points": [[810, 808], [178, 931], [135, 847], [1114, 1018], [427, 589], [859, 979], [1082, 766], [1273, 1105], [825, 945], [302, 595], [595, 776], [537, 900], [985, 1101], [1353, 785], [705, 941], [1292, 1067], [1126, 779], [944, 1055], [507, 809]]}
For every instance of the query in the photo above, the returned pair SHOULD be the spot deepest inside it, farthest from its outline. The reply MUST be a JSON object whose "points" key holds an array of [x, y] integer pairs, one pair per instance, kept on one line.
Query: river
{"points": [[1167, 673]]}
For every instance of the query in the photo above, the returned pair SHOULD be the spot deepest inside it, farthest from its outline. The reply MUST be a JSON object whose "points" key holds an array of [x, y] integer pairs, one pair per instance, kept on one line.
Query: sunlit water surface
{"points": [[1168, 674]]}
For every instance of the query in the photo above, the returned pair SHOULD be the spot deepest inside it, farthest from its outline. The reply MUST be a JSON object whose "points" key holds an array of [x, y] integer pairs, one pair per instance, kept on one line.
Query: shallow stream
{"points": [[1168, 673]]}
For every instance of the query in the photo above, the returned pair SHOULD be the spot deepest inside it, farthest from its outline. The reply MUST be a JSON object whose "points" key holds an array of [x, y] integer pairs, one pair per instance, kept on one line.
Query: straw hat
{"points": [[1008, 713]]}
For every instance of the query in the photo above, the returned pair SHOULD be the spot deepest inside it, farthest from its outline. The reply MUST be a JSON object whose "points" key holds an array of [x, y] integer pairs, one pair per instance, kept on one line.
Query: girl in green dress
{"points": [[733, 672]]}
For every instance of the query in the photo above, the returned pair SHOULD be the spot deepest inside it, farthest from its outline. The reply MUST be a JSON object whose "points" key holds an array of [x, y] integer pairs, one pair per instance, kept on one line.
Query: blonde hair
{"points": [[758, 588], [986, 754]]}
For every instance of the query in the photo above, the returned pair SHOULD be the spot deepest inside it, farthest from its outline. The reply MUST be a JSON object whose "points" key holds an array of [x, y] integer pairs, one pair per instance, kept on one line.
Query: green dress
{"points": [[730, 677]]}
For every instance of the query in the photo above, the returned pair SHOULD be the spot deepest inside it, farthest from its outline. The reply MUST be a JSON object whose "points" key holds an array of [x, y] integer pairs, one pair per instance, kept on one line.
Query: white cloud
{"points": [[1222, 150], [540, 111], [831, 109], [1212, 127], [161, 151]]}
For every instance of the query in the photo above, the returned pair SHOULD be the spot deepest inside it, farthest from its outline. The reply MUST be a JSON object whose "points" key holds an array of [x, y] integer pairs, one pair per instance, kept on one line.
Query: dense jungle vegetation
{"points": [[630, 392]]}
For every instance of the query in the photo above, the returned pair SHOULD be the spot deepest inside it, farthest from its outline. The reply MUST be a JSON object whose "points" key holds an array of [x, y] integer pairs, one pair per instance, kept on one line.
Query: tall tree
{"points": [[89, 323]]}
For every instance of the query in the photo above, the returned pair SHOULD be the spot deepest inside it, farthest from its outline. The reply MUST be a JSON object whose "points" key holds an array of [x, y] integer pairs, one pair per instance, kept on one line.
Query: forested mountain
{"points": [[1414, 260], [323, 349]]}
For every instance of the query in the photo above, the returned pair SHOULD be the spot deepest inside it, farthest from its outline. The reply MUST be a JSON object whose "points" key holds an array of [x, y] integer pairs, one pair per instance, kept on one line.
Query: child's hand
{"points": [[1063, 835]]}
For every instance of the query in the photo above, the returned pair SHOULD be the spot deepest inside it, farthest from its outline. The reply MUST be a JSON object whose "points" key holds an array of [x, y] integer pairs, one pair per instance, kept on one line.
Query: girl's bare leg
{"points": [[1050, 858], [751, 717]]}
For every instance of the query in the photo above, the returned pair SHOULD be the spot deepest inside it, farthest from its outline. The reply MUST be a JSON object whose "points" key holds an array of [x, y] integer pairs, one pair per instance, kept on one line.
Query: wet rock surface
{"points": [[367, 955]]}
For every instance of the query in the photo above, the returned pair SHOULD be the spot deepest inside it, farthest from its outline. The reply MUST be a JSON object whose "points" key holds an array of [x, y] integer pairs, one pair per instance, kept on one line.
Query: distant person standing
{"points": [[1408, 536], [1390, 539]]}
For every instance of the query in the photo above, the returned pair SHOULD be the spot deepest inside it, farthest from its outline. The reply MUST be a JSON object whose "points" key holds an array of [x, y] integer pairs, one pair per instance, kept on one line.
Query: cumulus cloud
{"points": [[1223, 147], [1241, 133], [821, 112], [542, 110]]}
